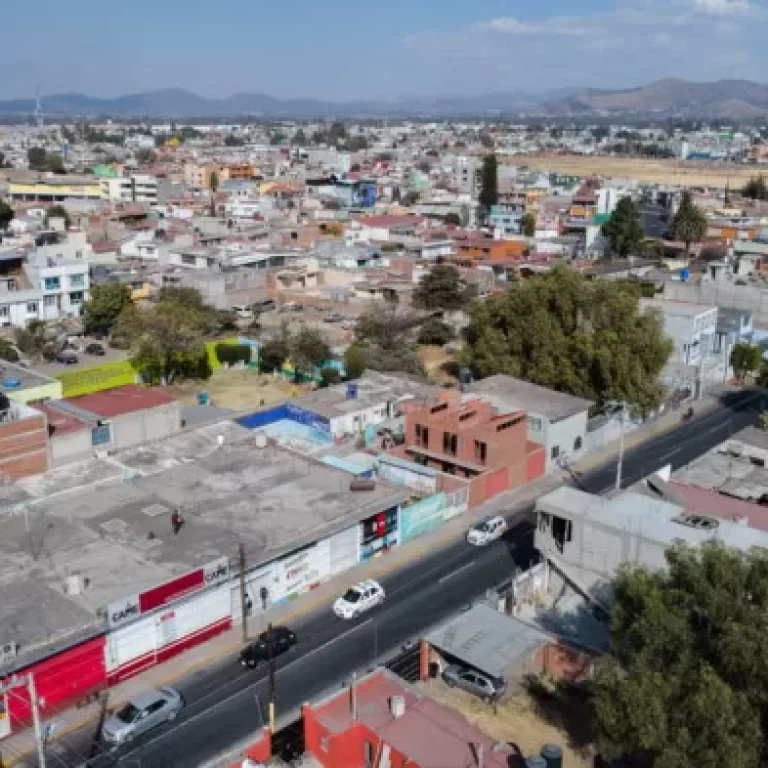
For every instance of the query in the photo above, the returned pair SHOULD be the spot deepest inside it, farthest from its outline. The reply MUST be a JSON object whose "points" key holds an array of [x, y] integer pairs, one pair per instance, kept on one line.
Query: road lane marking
{"points": [[450, 575], [424, 574]]}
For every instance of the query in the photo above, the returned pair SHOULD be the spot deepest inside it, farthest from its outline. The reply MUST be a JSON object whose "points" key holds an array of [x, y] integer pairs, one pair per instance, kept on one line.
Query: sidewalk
{"points": [[15, 749]]}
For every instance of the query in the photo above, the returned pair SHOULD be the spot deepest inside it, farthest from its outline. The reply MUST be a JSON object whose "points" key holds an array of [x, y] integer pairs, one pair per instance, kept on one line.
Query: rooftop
{"points": [[687, 308], [120, 400], [510, 394], [428, 733], [16, 378], [107, 520]]}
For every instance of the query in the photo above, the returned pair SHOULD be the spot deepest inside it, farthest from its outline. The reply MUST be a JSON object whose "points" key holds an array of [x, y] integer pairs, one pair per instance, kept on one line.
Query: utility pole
{"points": [[620, 463], [243, 594], [271, 657], [29, 682]]}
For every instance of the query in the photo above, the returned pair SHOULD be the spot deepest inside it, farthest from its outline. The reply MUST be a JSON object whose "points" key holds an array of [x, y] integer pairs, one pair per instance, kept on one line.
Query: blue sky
{"points": [[342, 49]]}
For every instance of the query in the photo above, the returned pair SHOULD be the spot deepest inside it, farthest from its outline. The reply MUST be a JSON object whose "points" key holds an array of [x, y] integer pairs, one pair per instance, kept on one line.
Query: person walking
{"points": [[176, 521]]}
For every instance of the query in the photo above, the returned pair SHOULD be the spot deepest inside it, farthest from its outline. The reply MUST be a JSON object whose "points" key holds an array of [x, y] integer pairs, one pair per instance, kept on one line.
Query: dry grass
{"points": [[440, 364], [674, 172], [236, 389], [530, 719]]}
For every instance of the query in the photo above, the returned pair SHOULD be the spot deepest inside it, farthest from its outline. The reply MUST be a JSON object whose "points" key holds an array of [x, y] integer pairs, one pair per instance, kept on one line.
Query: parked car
{"points": [[95, 349], [141, 714], [359, 599], [243, 311], [265, 306], [333, 317], [283, 639], [486, 531], [67, 357], [486, 687]]}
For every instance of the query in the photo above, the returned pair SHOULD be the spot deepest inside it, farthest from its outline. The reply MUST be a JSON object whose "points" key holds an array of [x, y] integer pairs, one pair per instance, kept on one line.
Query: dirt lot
{"points": [[235, 389], [675, 172], [439, 363], [530, 720]]}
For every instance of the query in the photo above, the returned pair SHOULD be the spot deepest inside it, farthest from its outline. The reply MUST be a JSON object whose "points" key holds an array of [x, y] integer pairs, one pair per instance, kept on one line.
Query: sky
{"points": [[349, 49]]}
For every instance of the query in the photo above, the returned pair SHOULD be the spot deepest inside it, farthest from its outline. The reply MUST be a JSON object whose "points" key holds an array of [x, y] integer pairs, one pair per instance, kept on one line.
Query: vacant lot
{"points": [[236, 389], [675, 172], [530, 720]]}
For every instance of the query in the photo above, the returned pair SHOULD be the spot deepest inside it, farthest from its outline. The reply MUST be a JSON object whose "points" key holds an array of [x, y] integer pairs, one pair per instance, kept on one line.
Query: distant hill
{"points": [[724, 98]]}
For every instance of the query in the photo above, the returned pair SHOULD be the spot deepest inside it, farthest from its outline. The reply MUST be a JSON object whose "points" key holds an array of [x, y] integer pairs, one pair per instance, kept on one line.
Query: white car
{"points": [[359, 599], [487, 530]]}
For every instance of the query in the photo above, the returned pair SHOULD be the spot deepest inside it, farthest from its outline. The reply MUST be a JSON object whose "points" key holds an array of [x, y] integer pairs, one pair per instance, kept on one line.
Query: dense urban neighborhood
{"points": [[383, 443]]}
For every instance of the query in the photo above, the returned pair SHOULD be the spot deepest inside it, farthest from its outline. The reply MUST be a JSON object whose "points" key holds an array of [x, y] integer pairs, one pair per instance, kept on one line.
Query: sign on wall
{"points": [[303, 570], [422, 517], [378, 534], [129, 608]]}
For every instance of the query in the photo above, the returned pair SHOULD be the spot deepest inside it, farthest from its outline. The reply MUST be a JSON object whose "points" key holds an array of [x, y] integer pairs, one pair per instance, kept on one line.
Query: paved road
{"points": [[226, 704], [682, 445]]}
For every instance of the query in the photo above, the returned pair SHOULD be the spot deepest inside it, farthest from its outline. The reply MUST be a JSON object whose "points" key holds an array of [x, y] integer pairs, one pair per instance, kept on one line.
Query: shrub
{"points": [[231, 354]]}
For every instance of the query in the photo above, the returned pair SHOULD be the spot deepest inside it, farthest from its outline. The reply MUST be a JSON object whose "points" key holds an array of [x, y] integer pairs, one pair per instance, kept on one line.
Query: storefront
{"points": [[379, 534]]}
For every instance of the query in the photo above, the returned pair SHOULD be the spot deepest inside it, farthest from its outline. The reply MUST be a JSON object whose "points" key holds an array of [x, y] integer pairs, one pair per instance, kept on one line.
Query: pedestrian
{"points": [[176, 521]]}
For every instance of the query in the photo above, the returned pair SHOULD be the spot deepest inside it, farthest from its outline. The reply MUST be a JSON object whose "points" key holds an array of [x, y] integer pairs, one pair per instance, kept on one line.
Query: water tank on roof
{"points": [[553, 755]]}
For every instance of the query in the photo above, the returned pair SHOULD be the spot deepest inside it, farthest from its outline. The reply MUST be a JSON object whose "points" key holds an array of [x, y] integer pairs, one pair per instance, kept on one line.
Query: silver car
{"points": [[141, 714], [486, 687]]}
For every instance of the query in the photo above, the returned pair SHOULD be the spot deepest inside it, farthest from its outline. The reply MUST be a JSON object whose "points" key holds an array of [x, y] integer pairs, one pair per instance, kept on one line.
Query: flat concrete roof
{"points": [[108, 521], [671, 307], [26, 378], [510, 394], [373, 388]]}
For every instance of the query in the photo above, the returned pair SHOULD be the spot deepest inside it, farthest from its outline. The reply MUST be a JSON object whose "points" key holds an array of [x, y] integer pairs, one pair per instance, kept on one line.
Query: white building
{"points": [[138, 188], [64, 285], [692, 328]]}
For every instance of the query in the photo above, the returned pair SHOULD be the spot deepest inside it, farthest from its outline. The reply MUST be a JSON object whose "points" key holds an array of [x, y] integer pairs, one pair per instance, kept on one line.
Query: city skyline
{"points": [[342, 51]]}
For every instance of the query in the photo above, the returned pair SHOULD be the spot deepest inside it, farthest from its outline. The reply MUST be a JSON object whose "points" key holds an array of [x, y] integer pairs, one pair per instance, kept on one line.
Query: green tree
{"points": [[528, 224], [486, 140], [145, 157], [230, 140], [756, 188], [623, 229], [273, 354], [441, 288], [354, 361], [689, 224], [387, 334], [166, 341], [189, 297], [105, 305], [410, 198], [329, 375], [213, 183], [31, 340], [308, 348], [36, 157], [745, 359], [8, 351], [6, 215], [435, 331], [58, 212], [489, 188], [686, 684], [562, 331]]}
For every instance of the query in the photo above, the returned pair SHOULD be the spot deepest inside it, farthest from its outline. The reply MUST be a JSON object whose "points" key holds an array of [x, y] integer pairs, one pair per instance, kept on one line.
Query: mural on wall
{"points": [[423, 516], [378, 534]]}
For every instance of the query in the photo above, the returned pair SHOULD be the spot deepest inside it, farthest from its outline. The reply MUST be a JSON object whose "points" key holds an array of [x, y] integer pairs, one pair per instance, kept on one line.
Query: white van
{"points": [[243, 311]]}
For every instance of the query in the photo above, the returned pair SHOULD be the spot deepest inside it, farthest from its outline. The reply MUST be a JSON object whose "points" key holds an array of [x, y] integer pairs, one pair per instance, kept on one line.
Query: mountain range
{"points": [[733, 99]]}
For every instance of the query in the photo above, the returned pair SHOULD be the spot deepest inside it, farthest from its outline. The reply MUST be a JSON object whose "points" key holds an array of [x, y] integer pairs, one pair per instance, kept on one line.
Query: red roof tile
{"points": [[61, 422], [121, 400]]}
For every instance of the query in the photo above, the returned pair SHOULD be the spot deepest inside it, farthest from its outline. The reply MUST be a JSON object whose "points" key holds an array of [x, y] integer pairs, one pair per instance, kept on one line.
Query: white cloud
{"points": [[509, 25], [723, 7]]}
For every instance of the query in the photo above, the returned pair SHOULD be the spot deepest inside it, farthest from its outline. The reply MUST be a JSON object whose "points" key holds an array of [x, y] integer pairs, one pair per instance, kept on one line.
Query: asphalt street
{"points": [[226, 704]]}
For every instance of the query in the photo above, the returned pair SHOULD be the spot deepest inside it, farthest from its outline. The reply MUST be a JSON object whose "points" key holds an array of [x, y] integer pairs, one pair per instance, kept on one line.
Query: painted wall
{"points": [[52, 391]]}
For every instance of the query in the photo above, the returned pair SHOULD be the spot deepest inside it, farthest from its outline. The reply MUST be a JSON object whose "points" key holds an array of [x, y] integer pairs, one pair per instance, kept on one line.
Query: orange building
{"points": [[479, 247]]}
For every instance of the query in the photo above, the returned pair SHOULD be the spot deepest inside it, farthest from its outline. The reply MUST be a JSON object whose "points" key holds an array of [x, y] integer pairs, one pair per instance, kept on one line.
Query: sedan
{"points": [[487, 530], [141, 714], [359, 599], [283, 639], [478, 684], [95, 349]]}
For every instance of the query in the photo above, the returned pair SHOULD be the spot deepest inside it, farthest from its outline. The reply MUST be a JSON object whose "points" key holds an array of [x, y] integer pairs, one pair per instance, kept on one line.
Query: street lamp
{"points": [[612, 407]]}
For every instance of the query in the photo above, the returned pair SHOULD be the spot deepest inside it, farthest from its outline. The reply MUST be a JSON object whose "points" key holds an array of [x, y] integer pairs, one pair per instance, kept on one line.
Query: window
{"points": [[76, 297], [32, 308], [369, 753], [50, 301], [562, 532], [52, 283], [450, 443], [77, 281], [534, 424], [188, 259], [481, 451], [555, 451], [508, 424], [156, 706], [577, 443]]}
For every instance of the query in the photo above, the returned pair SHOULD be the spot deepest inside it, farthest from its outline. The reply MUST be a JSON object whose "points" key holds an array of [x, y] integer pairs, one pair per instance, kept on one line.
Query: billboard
{"points": [[422, 517]]}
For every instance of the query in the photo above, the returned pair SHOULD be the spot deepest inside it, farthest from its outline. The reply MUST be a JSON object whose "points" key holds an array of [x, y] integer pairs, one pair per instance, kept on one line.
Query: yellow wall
{"points": [[52, 391], [63, 190], [95, 378]]}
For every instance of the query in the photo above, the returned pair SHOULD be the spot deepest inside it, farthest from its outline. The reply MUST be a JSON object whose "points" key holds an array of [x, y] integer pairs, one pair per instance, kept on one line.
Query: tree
{"points": [[410, 198], [386, 333], [31, 340], [562, 331], [273, 354], [689, 224], [528, 224], [8, 351], [58, 212], [36, 157], [745, 359], [489, 190], [441, 288], [623, 229], [230, 140], [6, 215], [300, 138], [436, 332], [308, 349], [354, 361], [452, 218], [213, 183], [231, 354], [145, 157], [756, 188], [486, 140], [165, 341], [686, 684], [107, 302], [329, 375], [179, 294]]}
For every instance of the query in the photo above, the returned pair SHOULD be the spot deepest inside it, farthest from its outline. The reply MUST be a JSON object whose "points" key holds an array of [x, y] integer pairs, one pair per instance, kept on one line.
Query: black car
{"points": [[94, 349], [283, 639]]}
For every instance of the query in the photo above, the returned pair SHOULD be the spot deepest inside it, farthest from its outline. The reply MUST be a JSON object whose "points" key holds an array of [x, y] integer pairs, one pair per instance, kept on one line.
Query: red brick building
{"points": [[383, 721], [23, 441], [471, 441]]}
